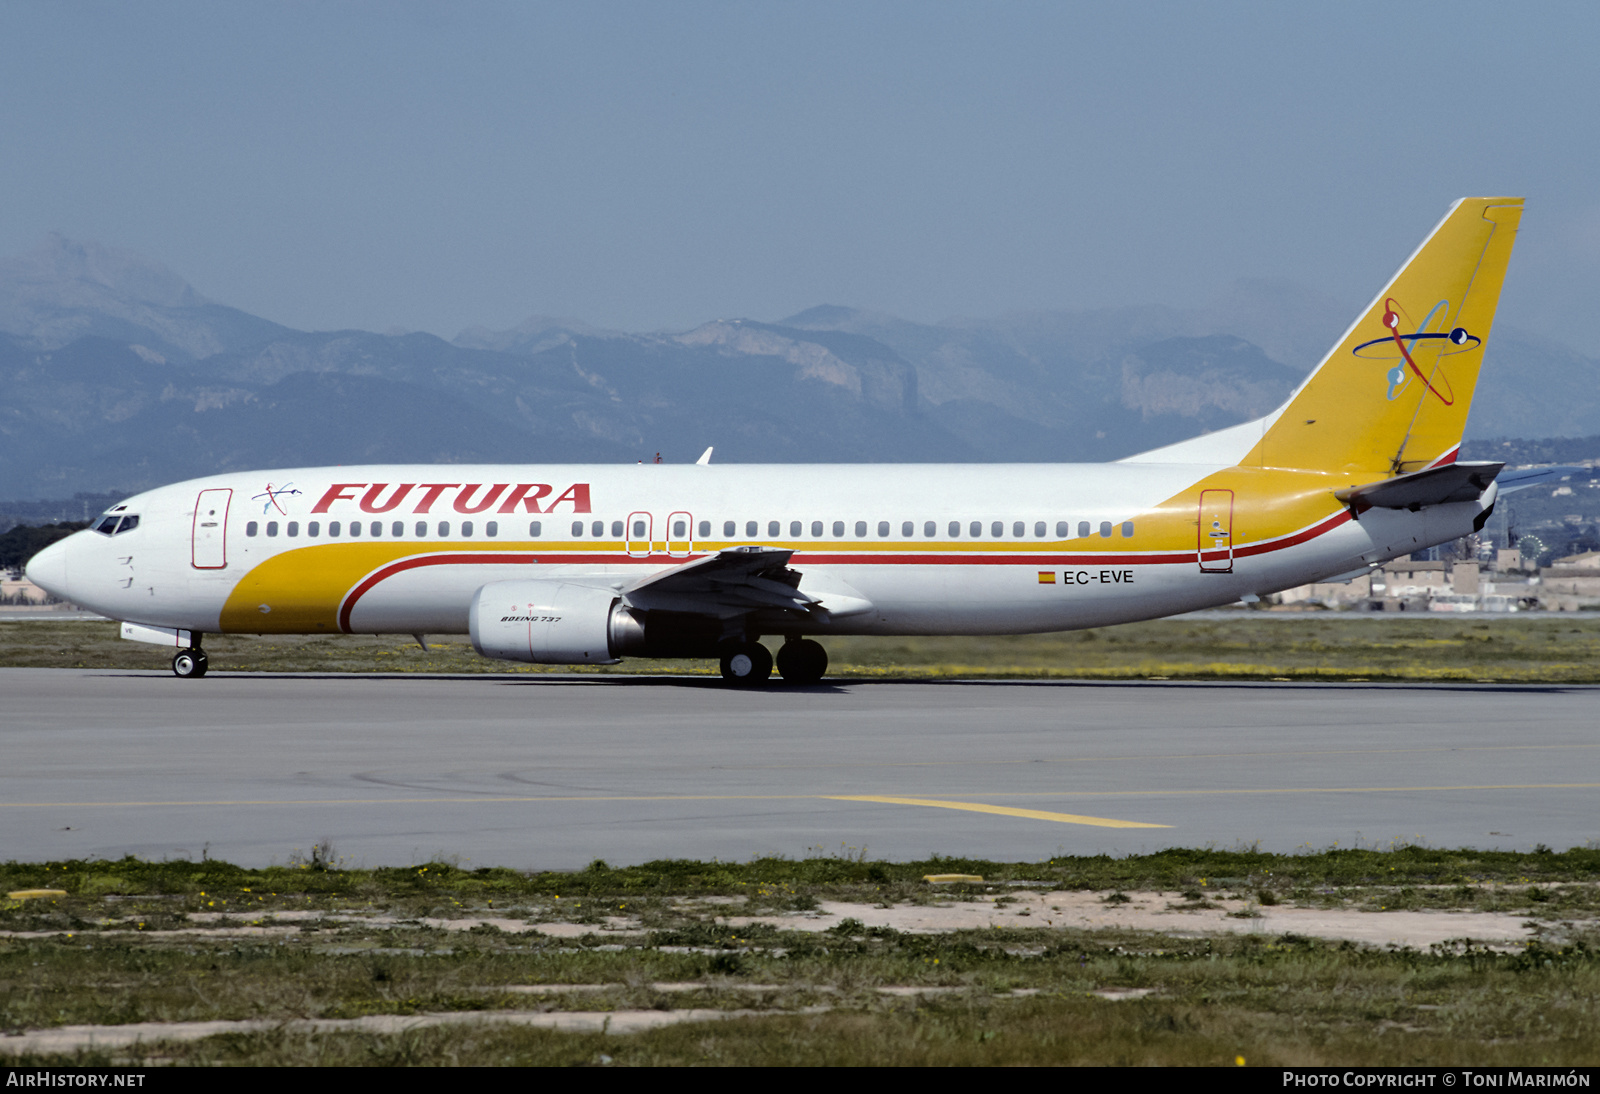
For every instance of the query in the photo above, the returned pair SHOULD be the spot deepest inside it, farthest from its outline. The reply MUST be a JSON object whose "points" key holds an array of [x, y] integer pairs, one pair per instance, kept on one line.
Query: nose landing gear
{"points": [[190, 663]]}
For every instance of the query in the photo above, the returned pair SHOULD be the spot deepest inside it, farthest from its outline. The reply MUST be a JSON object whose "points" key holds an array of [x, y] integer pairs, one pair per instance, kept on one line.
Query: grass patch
{"points": [[137, 941], [1249, 646]]}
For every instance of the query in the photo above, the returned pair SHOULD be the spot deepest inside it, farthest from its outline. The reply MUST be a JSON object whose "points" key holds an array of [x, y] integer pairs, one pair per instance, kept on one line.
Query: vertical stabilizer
{"points": [[1393, 395]]}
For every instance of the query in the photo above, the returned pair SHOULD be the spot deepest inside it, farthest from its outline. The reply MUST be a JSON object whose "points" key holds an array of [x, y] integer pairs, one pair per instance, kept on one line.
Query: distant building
{"points": [[1588, 560], [17, 591], [1569, 588], [1410, 585]]}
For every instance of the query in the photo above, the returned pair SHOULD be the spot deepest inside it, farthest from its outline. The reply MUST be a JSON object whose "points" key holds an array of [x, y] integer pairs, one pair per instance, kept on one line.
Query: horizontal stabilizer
{"points": [[1435, 486], [1524, 477]]}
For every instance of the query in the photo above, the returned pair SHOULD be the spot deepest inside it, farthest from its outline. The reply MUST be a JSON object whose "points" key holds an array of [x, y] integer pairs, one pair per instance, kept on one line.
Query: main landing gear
{"points": [[802, 661], [191, 663], [799, 661], [746, 664]]}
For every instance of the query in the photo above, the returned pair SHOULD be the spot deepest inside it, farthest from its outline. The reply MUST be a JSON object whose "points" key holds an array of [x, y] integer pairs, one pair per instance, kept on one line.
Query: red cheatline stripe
{"points": [[1296, 539], [1448, 457], [820, 559], [495, 558]]}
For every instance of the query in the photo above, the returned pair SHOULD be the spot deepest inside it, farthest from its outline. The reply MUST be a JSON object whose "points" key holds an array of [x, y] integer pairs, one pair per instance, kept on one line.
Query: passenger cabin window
{"points": [[577, 527], [1127, 529], [1038, 529], [272, 527], [249, 529], [955, 529], [816, 528], [976, 528], [333, 529], [1105, 529], [422, 528], [598, 528], [1019, 529], [314, 529], [638, 529], [680, 528], [376, 528], [772, 527], [355, 528], [293, 529], [1063, 529], [908, 528], [1083, 528], [730, 528], [444, 528], [536, 528], [705, 529], [616, 529], [997, 529], [838, 528], [466, 528], [397, 529], [861, 528], [794, 528], [883, 529], [930, 529], [492, 528]]}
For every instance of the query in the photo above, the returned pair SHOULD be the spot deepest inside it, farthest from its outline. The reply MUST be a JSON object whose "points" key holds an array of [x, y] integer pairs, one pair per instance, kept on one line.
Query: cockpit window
{"points": [[114, 523]]}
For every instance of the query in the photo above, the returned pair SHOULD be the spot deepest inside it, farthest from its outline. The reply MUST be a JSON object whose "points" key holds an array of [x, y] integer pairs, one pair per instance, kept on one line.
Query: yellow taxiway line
{"points": [[999, 810]]}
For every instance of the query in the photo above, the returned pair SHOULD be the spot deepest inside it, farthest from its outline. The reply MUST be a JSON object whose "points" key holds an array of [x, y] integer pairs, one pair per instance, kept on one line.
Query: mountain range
{"points": [[119, 376]]}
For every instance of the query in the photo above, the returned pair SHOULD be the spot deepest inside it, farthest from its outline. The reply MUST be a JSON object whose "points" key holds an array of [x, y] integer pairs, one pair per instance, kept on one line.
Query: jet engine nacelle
{"points": [[546, 623]]}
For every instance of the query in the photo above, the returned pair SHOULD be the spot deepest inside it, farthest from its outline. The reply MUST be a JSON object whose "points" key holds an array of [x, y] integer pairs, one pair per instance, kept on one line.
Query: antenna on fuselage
{"points": [[705, 457]]}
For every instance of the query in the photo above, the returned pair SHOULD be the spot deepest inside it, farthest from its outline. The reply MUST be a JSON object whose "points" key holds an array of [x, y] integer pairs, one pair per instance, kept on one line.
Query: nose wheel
{"points": [[189, 663]]}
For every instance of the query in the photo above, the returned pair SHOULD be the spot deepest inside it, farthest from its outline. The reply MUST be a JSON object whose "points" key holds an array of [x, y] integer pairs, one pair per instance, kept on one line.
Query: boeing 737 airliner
{"points": [[556, 564]]}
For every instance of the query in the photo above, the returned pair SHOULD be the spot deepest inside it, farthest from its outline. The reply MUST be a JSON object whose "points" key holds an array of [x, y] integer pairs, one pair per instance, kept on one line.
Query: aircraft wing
{"points": [[1435, 486], [731, 582]]}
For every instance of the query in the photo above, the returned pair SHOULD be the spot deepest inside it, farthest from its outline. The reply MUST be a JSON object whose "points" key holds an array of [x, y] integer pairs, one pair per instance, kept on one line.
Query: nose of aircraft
{"points": [[48, 569]]}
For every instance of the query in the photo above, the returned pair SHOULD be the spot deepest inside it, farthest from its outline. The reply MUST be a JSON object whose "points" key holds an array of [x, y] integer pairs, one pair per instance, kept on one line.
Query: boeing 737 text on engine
{"points": [[587, 565]]}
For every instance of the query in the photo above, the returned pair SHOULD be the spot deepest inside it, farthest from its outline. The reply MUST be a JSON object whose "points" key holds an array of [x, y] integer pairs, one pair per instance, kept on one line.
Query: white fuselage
{"points": [[912, 549]]}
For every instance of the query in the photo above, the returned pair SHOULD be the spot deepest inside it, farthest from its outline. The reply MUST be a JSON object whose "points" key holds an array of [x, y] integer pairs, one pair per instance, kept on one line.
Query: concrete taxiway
{"points": [[551, 772]]}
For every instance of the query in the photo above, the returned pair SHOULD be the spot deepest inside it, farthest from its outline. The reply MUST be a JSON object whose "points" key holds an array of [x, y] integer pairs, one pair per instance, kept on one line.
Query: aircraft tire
{"points": [[747, 664], [191, 664], [802, 662]]}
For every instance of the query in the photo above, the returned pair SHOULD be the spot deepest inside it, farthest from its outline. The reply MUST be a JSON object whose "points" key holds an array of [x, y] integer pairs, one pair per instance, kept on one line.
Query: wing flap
{"points": [[739, 578]]}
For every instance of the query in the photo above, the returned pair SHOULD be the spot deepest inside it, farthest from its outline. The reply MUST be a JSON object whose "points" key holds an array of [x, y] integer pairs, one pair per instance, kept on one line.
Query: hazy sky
{"points": [[443, 165]]}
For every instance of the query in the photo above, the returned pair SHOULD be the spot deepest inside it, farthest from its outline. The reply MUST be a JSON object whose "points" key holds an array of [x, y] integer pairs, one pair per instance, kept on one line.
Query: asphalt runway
{"points": [[551, 772]]}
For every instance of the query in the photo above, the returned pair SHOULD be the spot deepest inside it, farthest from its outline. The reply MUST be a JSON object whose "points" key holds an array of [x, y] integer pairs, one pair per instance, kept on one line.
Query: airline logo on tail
{"points": [[1429, 341]]}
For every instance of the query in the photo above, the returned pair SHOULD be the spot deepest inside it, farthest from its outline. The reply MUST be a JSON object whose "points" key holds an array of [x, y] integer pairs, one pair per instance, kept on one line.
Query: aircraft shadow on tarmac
{"points": [[842, 686]]}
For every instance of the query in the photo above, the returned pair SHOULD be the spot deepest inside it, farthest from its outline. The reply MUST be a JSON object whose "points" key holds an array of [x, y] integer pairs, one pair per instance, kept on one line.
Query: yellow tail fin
{"points": [[1393, 395]]}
